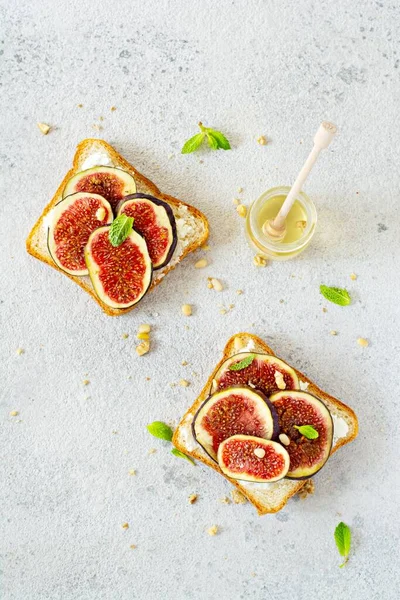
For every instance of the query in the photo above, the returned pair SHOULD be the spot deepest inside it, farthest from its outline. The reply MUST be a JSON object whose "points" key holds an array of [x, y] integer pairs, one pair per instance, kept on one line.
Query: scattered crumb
{"points": [[238, 497], [260, 261], [253, 574], [324, 309], [132, 546], [101, 118], [96, 126], [212, 530], [113, 108], [353, 276], [238, 344], [362, 342], [152, 450], [240, 190], [239, 292], [236, 201], [184, 363], [125, 336], [231, 306], [115, 432], [200, 264], [80, 105], [307, 489], [184, 383], [14, 413], [333, 332], [209, 284], [20, 351], [206, 247], [132, 472], [44, 128], [225, 500], [262, 140], [147, 378], [85, 382], [192, 498], [241, 210], [125, 525]]}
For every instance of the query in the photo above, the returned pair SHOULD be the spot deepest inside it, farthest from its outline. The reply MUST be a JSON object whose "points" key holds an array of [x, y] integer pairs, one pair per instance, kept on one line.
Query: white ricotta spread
{"points": [[48, 219], [340, 428], [97, 159], [248, 347], [303, 385]]}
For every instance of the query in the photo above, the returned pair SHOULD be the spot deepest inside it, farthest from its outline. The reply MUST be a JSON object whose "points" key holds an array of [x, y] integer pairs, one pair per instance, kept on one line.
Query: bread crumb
{"points": [[238, 497], [236, 201], [324, 309], [353, 276], [147, 378], [225, 500], [241, 210], [184, 383], [125, 525], [14, 413], [192, 498], [85, 382], [238, 344], [333, 332], [98, 127], [132, 546], [184, 363], [362, 342], [212, 530], [113, 108], [80, 105], [223, 311], [239, 292], [307, 489], [101, 118], [206, 247], [44, 128], [240, 190], [260, 261], [262, 140], [200, 264], [20, 351], [152, 450], [125, 336], [132, 472]]}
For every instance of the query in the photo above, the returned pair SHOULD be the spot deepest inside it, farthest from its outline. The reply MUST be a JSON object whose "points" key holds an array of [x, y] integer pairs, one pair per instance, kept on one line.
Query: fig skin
{"points": [[255, 394], [250, 376], [171, 218], [250, 466], [60, 209], [318, 416], [92, 267]]}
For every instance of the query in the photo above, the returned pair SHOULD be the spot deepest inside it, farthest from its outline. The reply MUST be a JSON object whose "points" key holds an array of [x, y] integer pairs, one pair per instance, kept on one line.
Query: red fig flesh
{"points": [[250, 458], [265, 372], [294, 408], [111, 183], [72, 221], [235, 410], [120, 275]]}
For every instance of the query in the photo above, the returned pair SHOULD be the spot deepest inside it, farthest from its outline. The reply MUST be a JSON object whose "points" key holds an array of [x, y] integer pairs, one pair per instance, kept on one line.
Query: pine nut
{"points": [[283, 438], [259, 452], [217, 285], [201, 263], [241, 210], [144, 328], [187, 310]]}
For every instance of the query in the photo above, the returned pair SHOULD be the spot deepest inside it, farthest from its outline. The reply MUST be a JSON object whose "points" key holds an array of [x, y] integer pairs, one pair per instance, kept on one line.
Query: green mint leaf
{"points": [[120, 228], [193, 143], [343, 541], [212, 141], [180, 454], [242, 364], [160, 430], [335, 295], [308, 431], [221, 139]]}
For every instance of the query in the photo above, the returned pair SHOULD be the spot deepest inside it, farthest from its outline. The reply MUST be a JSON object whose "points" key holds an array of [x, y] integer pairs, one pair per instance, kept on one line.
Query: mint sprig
{"points": [[242, 364], [164, 432], [160, 430], [336, 295], [216, 140], [120, 228], [343, 541], [308, 431]]}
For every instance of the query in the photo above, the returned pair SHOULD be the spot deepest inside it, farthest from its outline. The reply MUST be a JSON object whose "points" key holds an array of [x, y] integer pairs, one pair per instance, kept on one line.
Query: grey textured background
{"points": [[249, 68]]}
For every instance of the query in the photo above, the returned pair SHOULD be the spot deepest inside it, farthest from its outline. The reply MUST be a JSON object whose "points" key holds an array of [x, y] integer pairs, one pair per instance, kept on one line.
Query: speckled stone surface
{"points": [[249, 68]]}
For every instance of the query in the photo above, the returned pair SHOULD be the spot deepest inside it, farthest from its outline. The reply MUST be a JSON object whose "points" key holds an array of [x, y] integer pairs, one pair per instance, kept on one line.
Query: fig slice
{"points": [[71, 222], [120, 275], [234, 410], [294, 409], [251, 458], [265, 372], [155, 221], [110, 182]]}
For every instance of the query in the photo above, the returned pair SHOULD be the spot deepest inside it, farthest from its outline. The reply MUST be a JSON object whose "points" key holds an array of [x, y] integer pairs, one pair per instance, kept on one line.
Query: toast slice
{"points": [[192, 225], [266, 497]]}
